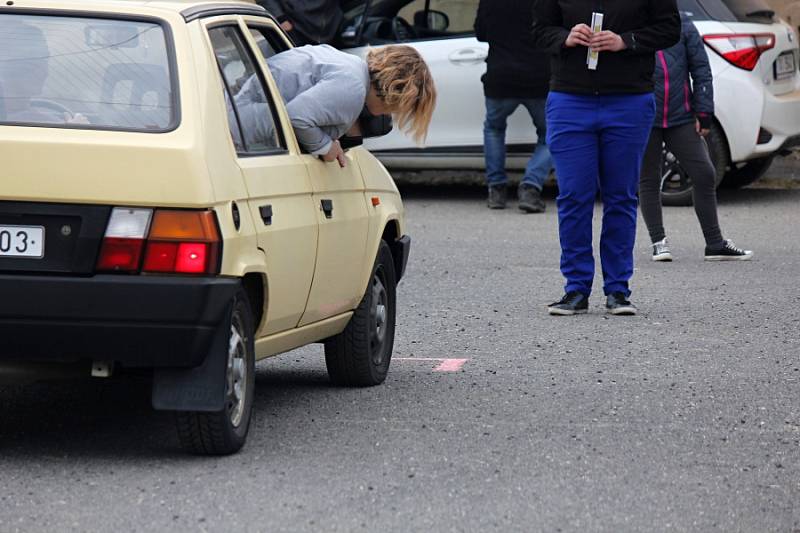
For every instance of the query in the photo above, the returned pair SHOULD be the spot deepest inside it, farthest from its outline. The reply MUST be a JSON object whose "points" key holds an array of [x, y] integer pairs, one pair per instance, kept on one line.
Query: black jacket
{"points": [[678, 101], [515, 67], [314, 21], [645, 25]]}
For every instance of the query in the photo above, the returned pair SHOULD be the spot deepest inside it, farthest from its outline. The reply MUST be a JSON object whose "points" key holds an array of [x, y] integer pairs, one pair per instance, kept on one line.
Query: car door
{"points": [[341, 211], [280, 194]]}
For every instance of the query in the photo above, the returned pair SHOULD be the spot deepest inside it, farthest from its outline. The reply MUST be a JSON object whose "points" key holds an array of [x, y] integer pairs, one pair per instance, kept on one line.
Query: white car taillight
{"points": [[741, 49], [124, 239]]}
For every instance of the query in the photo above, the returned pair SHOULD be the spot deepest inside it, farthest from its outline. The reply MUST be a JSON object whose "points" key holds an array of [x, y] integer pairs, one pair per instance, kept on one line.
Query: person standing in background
{"points": [[598, 123], [307, 21], [517, 74], [684, 114]]}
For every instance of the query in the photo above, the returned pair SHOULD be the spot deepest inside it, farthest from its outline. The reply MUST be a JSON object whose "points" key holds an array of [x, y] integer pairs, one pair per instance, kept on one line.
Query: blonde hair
{"points": [[404, 83]]}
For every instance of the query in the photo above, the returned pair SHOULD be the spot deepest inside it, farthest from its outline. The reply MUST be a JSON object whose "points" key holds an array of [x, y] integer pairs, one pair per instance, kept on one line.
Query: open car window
{"points": [[86, 73]]}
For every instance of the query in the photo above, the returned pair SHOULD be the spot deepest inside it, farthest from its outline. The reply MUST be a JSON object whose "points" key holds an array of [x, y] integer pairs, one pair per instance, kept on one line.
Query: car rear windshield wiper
{"points": [[761, 13]]}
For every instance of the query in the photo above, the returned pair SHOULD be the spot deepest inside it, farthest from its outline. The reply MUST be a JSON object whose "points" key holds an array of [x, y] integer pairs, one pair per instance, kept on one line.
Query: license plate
{"points": [[785, 66], [22, 241]]}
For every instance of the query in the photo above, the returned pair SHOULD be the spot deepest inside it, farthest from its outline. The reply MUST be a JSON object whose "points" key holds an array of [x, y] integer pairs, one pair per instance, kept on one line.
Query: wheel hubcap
{"points": [[236, 375], [673, 178], [379, 318]]}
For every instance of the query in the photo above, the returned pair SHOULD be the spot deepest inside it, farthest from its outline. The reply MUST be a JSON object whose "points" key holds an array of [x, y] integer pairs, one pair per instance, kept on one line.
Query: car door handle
{"points": [[327, 208], [266, 214], [469, 55]]}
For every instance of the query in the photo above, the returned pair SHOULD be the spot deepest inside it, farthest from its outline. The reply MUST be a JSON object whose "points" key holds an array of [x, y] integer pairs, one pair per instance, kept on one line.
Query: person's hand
{"points": [[580, 35], [702, 132], [607, 41], [287, 25], [336, 154]]}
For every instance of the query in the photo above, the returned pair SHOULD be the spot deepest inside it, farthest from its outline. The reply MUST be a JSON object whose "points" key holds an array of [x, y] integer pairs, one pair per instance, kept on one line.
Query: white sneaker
{"points": [[661, 251]]}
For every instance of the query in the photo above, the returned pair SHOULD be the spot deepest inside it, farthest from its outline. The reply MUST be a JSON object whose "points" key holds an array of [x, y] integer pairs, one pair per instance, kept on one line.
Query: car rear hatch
{"points": [[780, 58]]}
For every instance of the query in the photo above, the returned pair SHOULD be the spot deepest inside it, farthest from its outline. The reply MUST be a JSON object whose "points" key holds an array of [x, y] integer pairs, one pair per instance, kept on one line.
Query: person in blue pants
{"points": [[599, 119]]}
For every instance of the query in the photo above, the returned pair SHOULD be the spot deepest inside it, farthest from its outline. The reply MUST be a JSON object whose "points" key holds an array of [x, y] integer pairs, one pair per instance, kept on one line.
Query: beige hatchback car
{"points": [[150, 219]]}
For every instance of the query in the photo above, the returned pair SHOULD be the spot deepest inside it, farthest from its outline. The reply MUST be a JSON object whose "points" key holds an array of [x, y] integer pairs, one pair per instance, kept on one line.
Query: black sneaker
{"points": [[497, 197], [727, 251], [530, 199], [617, 304], [573, 303], [661, 251]]}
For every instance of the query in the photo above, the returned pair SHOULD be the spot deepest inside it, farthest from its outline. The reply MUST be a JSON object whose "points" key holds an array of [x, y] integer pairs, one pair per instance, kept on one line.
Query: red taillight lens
{"points": [[741, 49], [120, 254]]}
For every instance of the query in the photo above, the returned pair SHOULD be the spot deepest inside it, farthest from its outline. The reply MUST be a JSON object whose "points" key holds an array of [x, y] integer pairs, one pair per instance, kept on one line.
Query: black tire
{"points": [[676, 184], [225, 432], [747, 173], [360, 355]]}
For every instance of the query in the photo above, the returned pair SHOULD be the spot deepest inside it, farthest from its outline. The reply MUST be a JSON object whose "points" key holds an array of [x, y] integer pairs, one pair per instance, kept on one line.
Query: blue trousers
{"points": [[494, 141], [598, 142]]}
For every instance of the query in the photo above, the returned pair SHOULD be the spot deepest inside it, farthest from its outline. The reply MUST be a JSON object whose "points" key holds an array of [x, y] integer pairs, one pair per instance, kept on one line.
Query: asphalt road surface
{"points": [[495, 416]]}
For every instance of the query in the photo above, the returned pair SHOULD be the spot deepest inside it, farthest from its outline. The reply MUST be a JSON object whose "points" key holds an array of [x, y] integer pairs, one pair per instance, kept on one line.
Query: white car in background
{"points": [[754, 58]]}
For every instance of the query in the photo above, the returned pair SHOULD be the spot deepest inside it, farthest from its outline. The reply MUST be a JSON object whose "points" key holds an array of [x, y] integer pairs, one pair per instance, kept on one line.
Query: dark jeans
{"points": [[494, 141], [691, 150], [598, 142]]}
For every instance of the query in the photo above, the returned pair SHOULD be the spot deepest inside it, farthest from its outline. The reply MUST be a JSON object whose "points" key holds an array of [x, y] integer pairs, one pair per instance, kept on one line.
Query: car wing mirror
{"points": [[367, 126], [432, 20]]}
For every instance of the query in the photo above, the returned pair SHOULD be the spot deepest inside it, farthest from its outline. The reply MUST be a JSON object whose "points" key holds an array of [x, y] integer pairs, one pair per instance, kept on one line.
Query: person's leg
{"points": [[650, 186], [494, 138], [541, 162], [626, 124], [692, 152], [573, 141]]}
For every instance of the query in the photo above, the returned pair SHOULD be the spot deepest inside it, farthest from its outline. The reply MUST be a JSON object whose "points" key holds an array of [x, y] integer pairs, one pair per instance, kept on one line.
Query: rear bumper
{"points": [[782, 120], [137, 321]]}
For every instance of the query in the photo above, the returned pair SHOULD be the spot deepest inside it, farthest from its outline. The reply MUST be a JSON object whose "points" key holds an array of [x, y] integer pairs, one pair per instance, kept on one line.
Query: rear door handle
{"points": [[469, 55], [266, 214], [327, 207]]}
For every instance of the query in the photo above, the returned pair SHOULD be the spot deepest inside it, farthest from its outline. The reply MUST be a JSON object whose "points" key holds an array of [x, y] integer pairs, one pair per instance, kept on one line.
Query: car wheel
{"points": [[676, 184], [225, 432], [360, 355], [747, 173]]}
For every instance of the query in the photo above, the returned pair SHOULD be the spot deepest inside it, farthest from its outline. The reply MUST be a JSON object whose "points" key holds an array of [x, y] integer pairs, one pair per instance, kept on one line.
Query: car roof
{"points": [[186, 8]]}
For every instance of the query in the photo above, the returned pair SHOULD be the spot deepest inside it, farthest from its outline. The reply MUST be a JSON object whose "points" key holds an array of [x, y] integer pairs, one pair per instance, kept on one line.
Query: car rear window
{"points": [[85, 73], [706, 10], [757, 11]]}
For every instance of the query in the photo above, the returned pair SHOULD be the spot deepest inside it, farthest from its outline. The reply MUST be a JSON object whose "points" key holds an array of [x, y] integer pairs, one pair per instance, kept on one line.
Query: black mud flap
{"points": [[200, 388]]}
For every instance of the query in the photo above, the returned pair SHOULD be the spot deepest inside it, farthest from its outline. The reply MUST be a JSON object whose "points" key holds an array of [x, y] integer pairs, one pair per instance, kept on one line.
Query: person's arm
{"points": [[274, 7], [481, 32], [702, 79], [548, 29], [663, 30]]}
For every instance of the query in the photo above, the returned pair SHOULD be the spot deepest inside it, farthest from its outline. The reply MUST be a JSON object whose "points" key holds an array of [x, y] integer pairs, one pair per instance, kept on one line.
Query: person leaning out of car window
{"points": [[517, 74], [598, 124], [307, 21], [684, 114], [325, 91]]}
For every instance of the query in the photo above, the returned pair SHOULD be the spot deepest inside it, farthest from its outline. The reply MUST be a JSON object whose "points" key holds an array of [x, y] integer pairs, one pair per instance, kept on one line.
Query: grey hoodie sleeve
{"points": [[331, 106]]}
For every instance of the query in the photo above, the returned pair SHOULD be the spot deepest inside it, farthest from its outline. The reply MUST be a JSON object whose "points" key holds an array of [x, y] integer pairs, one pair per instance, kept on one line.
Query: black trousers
{"points": [[691, 150]]}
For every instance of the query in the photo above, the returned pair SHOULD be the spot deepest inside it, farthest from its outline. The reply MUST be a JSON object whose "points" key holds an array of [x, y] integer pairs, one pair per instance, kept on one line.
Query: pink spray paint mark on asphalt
{"points": [[450, 365], [445, 364]]}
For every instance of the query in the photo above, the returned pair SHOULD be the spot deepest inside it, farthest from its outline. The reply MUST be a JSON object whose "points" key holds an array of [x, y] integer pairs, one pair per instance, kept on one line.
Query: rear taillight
{"points": [[124, 240], [163, 241], [185, 242], [741, 49]]}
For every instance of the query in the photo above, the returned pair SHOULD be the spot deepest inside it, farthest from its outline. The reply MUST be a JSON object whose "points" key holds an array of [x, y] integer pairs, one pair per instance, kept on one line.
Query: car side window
{"points": [[269, 43], [251, 113], [460, 14]]}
